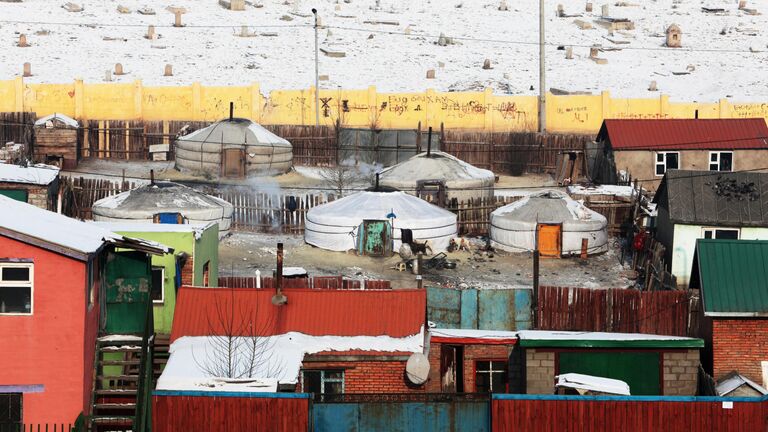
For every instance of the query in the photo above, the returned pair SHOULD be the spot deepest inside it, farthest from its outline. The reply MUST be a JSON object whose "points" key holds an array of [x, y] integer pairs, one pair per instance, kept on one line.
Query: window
{"points": [[10, 411], [667, 161], [158, 283], [491, 376], [721, 233], [323, 381], [721, 161], [206, 273], [16, 288]]}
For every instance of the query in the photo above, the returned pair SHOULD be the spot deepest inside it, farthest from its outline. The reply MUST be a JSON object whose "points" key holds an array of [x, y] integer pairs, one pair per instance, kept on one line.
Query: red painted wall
{"points": [[739, 344], [228, 414], [48, 347], [369, 376], [586, 416]]}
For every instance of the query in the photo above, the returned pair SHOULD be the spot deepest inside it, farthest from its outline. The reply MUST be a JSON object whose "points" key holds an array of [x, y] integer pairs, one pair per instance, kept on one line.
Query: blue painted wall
{"points": [[484, 309]]}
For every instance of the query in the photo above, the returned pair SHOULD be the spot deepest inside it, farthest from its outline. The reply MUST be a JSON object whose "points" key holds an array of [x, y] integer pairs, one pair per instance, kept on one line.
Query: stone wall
{"points": [[540, 372], [681, 371]]}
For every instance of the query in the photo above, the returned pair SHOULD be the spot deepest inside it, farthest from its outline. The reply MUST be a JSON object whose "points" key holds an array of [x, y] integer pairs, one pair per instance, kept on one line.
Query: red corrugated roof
{"points": [[686, 134], [206, 311]]}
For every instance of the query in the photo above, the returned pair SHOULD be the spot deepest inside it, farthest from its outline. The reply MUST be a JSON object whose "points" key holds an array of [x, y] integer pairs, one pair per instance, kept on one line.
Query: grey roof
{"points": [[735, 380], [715, 198]]}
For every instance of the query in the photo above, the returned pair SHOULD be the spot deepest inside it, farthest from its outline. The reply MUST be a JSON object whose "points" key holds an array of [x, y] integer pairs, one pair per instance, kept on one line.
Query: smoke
{"points": [[364, 170], [268, 194]]}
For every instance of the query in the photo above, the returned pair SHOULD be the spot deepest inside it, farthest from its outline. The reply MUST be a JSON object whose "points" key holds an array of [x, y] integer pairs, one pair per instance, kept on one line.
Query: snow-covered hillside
{"points": [[717, 51]]}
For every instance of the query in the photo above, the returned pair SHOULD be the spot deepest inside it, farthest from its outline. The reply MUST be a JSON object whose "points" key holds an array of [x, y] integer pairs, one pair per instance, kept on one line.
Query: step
{"points": [[119, 339], [119, 362], [120, 348], [112, 420], [118, 377], [115, 405], [116, 392]]}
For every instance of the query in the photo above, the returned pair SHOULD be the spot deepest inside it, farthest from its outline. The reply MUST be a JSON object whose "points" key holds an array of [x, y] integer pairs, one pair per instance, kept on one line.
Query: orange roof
{"points": [[248, 311]]}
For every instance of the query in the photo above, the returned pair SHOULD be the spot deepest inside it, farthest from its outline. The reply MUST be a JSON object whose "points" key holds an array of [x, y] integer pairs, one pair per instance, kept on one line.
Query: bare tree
{"points": [[342, 177], [240, 347]]}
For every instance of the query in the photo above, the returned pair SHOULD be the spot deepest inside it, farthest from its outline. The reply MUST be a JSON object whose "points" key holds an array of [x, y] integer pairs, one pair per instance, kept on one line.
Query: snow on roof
{"points": [[52, 227], [548, 206], [69, 121], [192, 358], [589, 339], [39, 174], [735, 380], [593, 383], [473, 335], [581, 335], [436, 165], [149, 226], [623, 191]]}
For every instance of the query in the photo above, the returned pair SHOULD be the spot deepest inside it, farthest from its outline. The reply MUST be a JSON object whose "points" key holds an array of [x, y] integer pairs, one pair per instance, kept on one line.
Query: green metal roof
{"points": [[582, 339], [733, 276]]}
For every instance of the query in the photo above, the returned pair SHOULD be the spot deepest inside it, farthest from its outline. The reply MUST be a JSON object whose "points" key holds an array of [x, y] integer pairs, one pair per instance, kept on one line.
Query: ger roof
{"points": [[395, 313], [39, 174], [715, 198], [732, 276], [685, 134]]}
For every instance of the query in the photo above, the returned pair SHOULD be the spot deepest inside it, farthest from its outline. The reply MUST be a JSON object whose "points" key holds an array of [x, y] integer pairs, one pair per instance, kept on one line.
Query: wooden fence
{"points": [[315, 282], [17, 127], [613, 310], [474, 215], [79, 194]]}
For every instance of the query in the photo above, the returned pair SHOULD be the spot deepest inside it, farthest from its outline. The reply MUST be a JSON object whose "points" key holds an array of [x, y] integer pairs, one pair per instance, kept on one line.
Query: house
{"points": [[324, 342], [732, 275], [196, 261], [650, 364], [647, 149], [693, 205], [36, 184], [54, 273]]}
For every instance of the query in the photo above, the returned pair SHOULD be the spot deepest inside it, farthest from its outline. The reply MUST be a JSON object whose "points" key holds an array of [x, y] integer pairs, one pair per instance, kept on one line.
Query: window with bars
{"points": [[667, 161], [721, 161], [491, 376], [16, 288], [323, 381]]}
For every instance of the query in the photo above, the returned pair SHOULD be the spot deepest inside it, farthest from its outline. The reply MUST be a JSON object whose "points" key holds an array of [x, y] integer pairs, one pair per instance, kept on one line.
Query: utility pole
{"points": [[542, 80], [317, 74]]}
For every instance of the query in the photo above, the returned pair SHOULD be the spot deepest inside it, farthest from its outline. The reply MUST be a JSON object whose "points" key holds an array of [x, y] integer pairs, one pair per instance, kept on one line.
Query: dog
{"points": [[424, 247], [459, 244]]}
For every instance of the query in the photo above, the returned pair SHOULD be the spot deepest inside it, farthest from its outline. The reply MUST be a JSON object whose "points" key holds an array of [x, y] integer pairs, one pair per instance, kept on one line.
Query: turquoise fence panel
{"points": [[485, 309], [523, 314], [444, 307], [497, 309], [469, 309]]}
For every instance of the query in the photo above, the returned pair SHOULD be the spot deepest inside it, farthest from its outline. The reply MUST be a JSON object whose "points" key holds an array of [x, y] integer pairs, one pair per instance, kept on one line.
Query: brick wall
{"points": [[739, 344], [36, 195], [539, 372], [472, 353], [681, 371], [373, 376], [188, 272]]}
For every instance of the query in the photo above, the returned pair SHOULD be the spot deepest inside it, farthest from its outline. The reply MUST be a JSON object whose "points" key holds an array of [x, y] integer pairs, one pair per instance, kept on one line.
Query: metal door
{"points": [[376, 238], [127, 282], [550, 243], [17, 194], [233, 163]]}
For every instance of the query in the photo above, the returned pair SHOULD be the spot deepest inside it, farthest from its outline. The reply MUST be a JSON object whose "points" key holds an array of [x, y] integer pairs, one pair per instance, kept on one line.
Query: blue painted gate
{"points": [[456, 416]]}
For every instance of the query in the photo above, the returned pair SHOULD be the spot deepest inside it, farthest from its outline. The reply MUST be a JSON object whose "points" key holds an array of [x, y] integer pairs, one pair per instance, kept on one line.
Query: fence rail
{"points": [[37, 427]]}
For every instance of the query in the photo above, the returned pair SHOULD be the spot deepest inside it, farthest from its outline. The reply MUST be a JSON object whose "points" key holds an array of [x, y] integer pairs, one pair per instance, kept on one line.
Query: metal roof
{"points": [[685, 134], [590, 339], [206, 312], [715, 198], [732, 276]]}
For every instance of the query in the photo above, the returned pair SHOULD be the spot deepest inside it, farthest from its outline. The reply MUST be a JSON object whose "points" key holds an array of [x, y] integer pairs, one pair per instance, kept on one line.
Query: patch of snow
{"points": [[589, 335], [264, 136], [473, 333], [281, 361], [593, 383], [623, 191], [114, 201], [69, 121], [149, 226], [39, 174], [120, 338]]}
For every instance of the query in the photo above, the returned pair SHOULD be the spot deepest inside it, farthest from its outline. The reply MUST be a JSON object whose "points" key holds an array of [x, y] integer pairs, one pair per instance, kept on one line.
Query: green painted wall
{"points": [[641, 370], [207, 251]]}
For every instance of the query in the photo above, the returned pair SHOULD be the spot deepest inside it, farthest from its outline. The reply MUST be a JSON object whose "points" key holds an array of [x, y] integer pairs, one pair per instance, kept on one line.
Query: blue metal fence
{"points": [[485, 309]]}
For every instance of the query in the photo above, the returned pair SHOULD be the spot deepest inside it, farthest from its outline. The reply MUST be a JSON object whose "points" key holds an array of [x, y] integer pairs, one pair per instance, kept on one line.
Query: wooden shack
{"points": [[56, 141]]}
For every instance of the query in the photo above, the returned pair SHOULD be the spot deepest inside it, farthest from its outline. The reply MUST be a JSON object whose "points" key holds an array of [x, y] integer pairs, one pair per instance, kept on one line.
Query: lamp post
{"points": [[317, 74]]}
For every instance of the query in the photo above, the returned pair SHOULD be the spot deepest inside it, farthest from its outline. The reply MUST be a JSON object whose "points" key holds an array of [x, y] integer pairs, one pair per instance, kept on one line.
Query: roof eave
{"points": [[736, 314], [53, 247], [628, 344]]}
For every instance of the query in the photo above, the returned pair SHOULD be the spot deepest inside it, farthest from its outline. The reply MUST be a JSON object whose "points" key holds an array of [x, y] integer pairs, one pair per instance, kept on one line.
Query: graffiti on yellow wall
{"points": [[352, 108]]}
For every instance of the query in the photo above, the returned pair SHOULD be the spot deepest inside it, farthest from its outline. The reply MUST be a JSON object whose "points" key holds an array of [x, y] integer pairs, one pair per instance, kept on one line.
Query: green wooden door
{"points": [[638, 369], [127, 279], [17, 194], [376, 239]]}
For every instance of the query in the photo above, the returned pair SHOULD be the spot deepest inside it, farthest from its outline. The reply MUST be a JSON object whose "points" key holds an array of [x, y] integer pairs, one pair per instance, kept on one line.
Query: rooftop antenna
{"points": [[231, 110], [429, 141]]}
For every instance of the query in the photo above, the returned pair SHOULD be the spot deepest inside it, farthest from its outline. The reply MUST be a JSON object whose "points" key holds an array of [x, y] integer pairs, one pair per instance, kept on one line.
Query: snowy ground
{"points": [[241, 254], [395, 58]]}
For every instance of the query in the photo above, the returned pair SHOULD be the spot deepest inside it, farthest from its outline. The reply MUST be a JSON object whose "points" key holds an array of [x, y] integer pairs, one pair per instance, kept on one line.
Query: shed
{"points": [[56, 141], [556, 221], [736, 385], [165, 202], [234, 147], [441, 175], [37, 184], [371, 221]]}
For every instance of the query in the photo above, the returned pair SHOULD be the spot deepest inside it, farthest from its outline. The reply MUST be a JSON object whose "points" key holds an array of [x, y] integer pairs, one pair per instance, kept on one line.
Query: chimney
{"points": [[151, 176], [429, 141], [231, 114], [279, 272], [377, 182]]}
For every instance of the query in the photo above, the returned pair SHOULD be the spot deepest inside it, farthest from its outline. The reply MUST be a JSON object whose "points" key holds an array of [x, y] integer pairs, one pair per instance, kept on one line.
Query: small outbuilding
{"points": [[165, 202], [377, 222], [440, 174], [37, 185], [56, 140], [234, 147], [552, 222]]}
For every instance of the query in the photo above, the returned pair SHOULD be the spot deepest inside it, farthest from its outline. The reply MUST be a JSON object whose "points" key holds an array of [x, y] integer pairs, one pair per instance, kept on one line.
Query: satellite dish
{"points": [[279, 300], [417, 368]]}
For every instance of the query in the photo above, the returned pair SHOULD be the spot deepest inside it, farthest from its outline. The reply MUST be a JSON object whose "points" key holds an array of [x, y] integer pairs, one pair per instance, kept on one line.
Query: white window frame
{"points": [[490, 371], [30, 284], [718, 153], [162, 289], [656, 162], [714, 230], [324, 380]]}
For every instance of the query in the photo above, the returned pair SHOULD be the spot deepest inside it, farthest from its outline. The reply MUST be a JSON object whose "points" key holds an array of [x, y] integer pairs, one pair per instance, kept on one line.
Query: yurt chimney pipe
{"points": [[429, 141], [377, 182], [231, 110], [279, 275], [151, 176]]}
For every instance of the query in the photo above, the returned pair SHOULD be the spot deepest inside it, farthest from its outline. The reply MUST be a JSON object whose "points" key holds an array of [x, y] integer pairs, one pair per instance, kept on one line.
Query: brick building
{"points": [[37, 185], [731, 276], [321, 341]]}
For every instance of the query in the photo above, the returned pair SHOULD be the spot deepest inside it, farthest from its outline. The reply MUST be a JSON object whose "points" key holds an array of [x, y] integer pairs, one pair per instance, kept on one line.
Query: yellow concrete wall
{"points": [[354, 108]]}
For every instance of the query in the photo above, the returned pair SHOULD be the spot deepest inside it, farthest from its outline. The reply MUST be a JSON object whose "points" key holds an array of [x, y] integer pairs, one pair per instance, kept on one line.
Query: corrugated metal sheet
{"points": [[733, 275], [582, 413], [486, 309], [685, 134], [693, 197], [395, 313]]}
